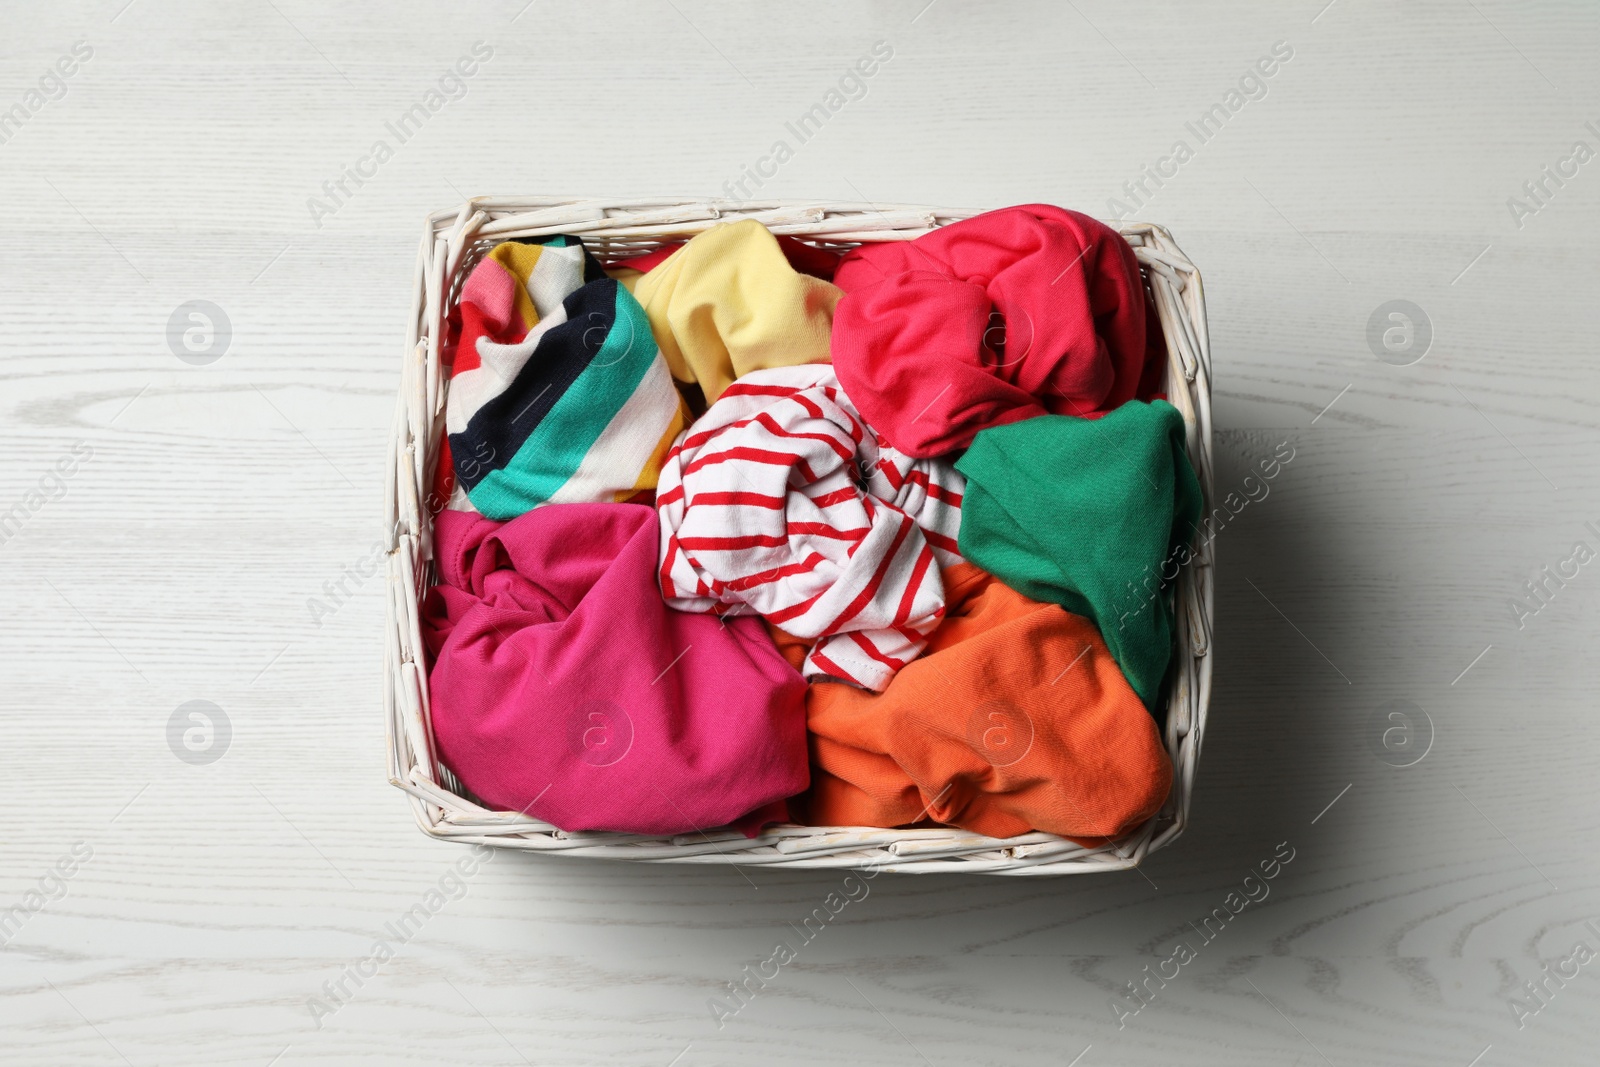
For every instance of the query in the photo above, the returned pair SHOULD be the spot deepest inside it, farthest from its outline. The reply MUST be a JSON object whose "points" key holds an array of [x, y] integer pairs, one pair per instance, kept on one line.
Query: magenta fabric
{"points": [[564, 687], [1014, 313]]}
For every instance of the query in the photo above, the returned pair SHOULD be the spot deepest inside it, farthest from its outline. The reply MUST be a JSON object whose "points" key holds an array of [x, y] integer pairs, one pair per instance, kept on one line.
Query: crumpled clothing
{"points": [[562, 686], [994, 319], [729, 302], [780, 501], [1095, 516], [1015, 719], [557, 391]]}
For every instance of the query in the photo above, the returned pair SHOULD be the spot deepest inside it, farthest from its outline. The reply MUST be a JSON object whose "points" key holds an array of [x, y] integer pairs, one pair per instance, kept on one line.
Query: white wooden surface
{"points": [[178, 561]]}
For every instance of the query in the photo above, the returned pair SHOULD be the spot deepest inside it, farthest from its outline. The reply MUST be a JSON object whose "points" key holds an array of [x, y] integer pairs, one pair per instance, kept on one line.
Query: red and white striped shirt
{"points": [[781, 501]]}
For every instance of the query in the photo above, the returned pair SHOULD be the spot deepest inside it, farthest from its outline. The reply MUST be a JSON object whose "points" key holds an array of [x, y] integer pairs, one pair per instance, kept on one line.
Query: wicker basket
{"points": [[452, 242]]}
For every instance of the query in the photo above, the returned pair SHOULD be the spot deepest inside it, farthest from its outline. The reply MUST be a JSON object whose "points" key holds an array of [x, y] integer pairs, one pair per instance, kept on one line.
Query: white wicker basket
{"points": [[452, 242]]}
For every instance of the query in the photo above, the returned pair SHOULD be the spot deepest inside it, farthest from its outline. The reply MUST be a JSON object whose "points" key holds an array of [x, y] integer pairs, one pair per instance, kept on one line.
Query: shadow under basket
{"points": [[452, 243]]}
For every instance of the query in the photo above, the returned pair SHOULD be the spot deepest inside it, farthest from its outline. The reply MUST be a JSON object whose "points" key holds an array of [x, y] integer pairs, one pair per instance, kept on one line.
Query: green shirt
{"points": [[1093, 514]]}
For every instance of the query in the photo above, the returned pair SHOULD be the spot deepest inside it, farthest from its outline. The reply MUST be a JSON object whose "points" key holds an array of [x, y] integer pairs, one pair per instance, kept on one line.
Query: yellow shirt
{"points": [[728, 303]]}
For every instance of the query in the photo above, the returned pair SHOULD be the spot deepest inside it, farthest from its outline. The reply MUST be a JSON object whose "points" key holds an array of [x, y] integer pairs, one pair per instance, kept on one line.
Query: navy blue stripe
{"points": [[498, 429]]}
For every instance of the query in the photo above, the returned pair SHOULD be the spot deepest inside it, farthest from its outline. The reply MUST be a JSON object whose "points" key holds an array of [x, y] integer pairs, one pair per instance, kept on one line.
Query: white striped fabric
{"points": [[556, 276], [498, 367], [763, 510]]}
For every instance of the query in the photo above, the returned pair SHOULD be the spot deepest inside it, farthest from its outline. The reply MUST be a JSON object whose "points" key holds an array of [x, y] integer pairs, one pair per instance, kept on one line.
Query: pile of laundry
{"points": [[744, 531]]}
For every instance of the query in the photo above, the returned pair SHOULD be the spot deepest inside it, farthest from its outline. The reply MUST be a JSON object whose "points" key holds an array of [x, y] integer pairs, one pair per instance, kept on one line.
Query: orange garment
{"points": [[1016, 718]]}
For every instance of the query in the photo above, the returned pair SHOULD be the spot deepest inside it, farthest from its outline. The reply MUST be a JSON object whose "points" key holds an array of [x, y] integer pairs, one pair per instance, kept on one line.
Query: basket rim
{"points": [[452, 240]]}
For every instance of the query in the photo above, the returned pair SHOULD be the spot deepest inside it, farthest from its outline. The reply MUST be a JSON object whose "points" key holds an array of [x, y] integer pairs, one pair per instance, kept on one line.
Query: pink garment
{"points": [[991, 320], [563, 687], [779, 500]]}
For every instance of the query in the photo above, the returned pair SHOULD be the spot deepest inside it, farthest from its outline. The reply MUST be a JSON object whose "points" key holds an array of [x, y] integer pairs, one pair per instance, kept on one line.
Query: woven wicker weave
{"points": [[452, 242]]}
